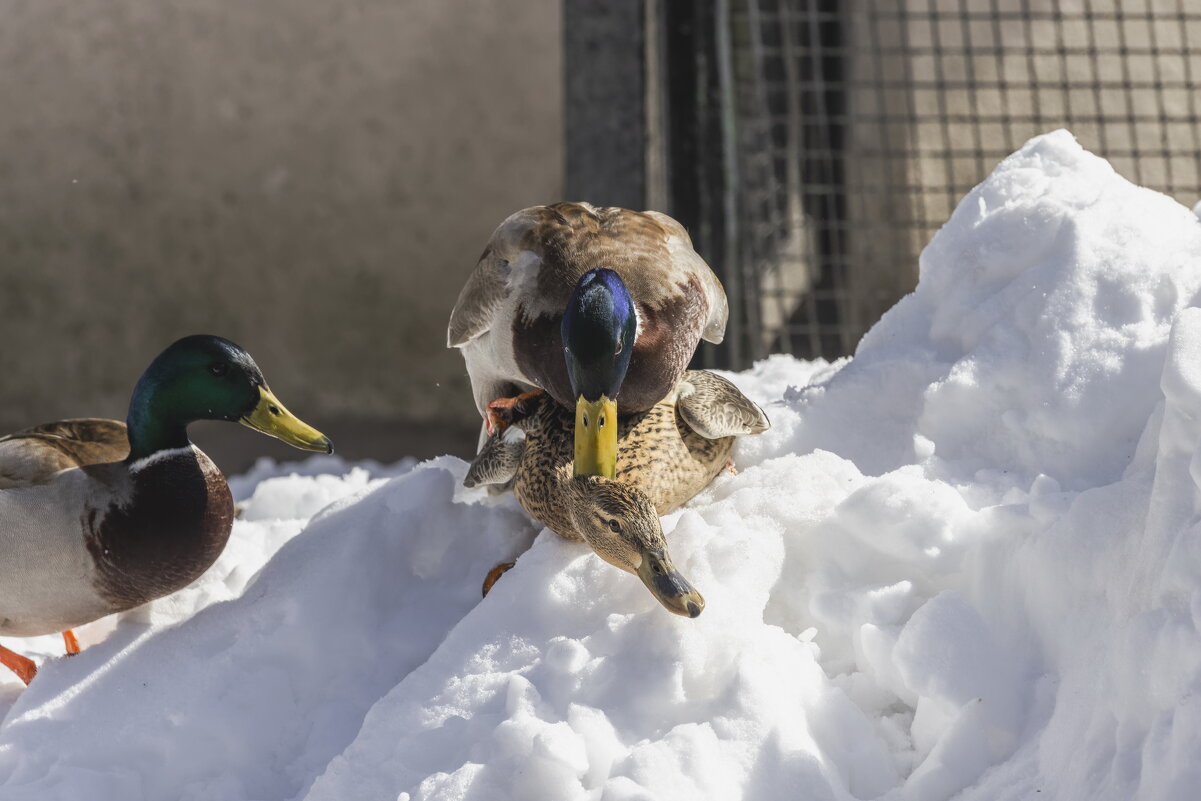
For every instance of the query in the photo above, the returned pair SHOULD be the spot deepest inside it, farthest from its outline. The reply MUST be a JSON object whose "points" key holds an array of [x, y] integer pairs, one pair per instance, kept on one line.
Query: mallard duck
{"points": [[97, 516], [600, 307], [668, 454]]}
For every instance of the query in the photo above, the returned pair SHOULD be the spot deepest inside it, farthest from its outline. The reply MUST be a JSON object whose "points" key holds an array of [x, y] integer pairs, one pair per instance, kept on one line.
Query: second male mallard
{"points": [[600, 307], [98, 517]]}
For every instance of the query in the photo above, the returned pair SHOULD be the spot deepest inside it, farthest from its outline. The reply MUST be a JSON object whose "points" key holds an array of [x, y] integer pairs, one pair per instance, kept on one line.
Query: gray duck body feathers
{"points": [[85, 534]]}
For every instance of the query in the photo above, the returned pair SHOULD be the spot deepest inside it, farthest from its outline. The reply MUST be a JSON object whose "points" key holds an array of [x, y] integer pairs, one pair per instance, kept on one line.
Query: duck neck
{"points": [[150, 430]]}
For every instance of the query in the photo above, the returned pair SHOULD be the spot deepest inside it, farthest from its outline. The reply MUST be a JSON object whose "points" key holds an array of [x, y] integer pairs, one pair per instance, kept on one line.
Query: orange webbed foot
{"points": [[499, 414], [494, 574], [22, 666], [71, 643]]}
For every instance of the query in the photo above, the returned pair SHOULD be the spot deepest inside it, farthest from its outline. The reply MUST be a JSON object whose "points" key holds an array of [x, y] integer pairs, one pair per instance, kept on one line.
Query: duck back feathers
{"points": [[508, 315], [657, 453], [35, 455]]}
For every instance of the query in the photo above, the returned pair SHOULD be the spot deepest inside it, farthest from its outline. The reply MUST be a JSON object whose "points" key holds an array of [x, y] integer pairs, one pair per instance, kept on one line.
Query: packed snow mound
{"points": [[965, 563], [1036, 334]]}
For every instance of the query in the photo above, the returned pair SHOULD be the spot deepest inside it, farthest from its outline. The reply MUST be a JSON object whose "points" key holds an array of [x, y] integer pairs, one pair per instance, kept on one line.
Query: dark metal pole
{"points": [[604, 55]]}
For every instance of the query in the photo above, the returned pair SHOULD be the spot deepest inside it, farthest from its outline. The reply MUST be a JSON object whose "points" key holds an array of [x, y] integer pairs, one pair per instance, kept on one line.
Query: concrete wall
{"points": [[312, 179]]}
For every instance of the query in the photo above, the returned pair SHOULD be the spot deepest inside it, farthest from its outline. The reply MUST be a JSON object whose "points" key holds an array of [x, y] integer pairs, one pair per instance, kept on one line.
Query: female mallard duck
{"points": [[668, 454], [97, 517], [621, 294]]}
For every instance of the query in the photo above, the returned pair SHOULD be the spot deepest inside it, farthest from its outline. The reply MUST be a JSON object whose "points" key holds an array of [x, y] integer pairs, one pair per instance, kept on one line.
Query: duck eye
{"points": [[615, 527], [620, 345], [219, 368]]}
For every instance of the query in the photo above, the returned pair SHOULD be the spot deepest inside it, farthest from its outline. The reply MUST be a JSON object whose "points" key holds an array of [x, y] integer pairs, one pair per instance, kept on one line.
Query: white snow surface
{"points": [[964, 564]]}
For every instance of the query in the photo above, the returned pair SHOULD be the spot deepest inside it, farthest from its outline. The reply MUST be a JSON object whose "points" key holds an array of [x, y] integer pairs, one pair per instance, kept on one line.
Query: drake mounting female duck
{"points": [[621, 294], [98, 517], [668, 454]]}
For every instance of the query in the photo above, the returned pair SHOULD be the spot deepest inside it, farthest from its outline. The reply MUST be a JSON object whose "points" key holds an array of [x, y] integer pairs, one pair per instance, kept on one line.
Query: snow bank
{"points": [[965, 563]]}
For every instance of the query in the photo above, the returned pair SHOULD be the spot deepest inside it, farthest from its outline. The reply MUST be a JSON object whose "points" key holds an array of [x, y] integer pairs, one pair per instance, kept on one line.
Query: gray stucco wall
{"points": [[311, 179]]}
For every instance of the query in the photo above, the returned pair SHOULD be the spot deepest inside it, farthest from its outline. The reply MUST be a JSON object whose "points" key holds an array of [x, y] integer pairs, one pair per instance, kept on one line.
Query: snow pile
{"points": [[965, 563]]}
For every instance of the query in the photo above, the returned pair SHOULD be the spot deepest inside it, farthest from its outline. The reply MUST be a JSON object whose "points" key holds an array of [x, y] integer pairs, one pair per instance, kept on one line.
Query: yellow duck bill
{"points": [[668, 585], [595, 437], [272, 418]]}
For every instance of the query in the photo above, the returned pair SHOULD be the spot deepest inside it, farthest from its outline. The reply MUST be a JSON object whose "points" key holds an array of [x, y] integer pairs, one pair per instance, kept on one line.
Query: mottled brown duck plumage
{"points": [[662, 461], [659, 451]]}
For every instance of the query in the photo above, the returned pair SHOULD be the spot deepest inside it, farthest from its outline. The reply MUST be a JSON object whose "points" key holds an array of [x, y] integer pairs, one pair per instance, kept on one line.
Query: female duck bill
{"points": [[668, 585]]}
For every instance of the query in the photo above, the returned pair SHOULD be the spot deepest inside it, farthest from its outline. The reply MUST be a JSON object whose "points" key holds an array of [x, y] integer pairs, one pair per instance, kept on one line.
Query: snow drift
{"points": [[965, 563]]}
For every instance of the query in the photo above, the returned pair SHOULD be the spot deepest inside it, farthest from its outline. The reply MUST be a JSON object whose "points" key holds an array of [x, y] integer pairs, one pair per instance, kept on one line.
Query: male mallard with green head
{"points": [[600, 307], [667, 454], [97, 517]]}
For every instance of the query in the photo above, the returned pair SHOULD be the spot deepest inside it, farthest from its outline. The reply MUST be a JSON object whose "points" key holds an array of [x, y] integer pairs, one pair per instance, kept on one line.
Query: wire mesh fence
{"points": [[847, 131]]}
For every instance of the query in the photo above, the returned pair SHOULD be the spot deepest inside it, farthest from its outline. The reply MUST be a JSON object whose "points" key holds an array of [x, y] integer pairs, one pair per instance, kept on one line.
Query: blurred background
{"points": [[315, 180]]}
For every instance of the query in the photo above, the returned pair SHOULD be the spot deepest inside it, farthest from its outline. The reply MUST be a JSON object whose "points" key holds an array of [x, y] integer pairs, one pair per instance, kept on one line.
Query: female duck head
{"points": [[204, 377], [620, 524], [598, 333]]}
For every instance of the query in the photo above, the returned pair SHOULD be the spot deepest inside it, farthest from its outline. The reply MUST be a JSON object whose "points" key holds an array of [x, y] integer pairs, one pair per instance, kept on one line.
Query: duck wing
{"points": [[497, 462], [492, 282], [685, 259], [715, 408], [35, 455]]}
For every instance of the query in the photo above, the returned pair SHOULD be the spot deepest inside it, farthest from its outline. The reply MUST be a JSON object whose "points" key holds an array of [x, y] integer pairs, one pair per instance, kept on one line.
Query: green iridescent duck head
{"points": [[598, 330], [205, 377]]}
